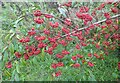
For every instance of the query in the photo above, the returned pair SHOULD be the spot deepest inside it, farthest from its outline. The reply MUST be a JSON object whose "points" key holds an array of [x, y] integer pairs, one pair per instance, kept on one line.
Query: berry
{"points": [[8, 65]]}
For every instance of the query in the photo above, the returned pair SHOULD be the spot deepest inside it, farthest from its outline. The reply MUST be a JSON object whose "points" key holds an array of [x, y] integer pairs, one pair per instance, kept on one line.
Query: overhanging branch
{"points": [[118, 15]]}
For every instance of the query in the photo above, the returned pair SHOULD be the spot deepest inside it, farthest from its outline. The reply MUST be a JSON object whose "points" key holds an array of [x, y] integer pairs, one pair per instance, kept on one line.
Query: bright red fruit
{"points": [[118, 65], [24, 40], [47, 32], [65, 30], [37, 52], [26, 57], [54, 25], [74, 58], [17, 54], [76, 65], [8, 65], [89, 55], [79, 56], [31, 32], [38, 20], [68, 22], [114, 10], [90, 64], [58, 73], [97, 45], [48, 16], [60, 64], [65, 52], [54, 65], [37, 13], [108, 22], [107, 15], [68, 4], [59, 56], [63, 42], [84, 9], [77, 46]]}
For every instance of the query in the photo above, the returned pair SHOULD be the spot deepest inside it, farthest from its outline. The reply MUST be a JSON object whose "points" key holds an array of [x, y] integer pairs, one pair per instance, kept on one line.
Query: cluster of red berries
{"points": [[55, 38]]}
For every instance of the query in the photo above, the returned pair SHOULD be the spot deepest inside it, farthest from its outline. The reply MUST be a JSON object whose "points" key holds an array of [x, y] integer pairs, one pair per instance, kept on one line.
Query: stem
{"points": [[88, 26]]}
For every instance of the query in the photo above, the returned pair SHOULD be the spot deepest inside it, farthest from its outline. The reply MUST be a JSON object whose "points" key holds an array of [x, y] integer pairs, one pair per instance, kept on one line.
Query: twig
{"points": [[118, 15]]}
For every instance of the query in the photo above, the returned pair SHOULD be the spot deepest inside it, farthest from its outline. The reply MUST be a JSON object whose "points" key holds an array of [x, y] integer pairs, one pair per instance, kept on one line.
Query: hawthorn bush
{"points": [[72, 41]]}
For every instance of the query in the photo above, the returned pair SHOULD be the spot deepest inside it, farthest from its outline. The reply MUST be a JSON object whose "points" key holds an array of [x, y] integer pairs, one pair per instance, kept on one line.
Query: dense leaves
{"points": [[72, 41]]}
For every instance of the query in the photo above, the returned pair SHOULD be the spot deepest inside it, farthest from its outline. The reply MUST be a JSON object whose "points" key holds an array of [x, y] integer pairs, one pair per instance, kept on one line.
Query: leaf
{"points": [[17, 77], [7, 73], [11, 48], [91, 77], [5, 56], [115, 75], [35, 60], [43, 54], [13, 75], [17, 67], [7, 37]]}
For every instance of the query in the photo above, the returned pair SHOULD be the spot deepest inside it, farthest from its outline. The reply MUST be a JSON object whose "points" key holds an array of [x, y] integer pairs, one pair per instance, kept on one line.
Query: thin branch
{"points": [[118, 15]]}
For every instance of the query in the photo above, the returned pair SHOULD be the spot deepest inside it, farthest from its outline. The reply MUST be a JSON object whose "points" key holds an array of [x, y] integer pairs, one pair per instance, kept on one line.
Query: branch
{"points": [[118, 15]]}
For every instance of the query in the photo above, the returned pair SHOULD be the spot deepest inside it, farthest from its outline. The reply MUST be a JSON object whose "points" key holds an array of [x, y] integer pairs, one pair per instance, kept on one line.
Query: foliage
{"points": [[96, 49]]}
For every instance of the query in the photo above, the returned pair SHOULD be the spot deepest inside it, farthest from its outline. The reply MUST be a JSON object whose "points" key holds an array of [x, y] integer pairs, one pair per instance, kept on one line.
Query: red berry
{"points": [[26, 57], [65, 30], [37, 13], [58, 73], [17, 54], [114, 10], [107, 15], [79, 56], [118, 65], [59, 56], [90, 64], [68, 22], [74, 58], [84, 9], [54, 65], [60, 64], [67, 4], [8, 65], [65, 52], [55, 25], [76, 65], [38, 20], [89, 55], [36, 52], [48, 16]]}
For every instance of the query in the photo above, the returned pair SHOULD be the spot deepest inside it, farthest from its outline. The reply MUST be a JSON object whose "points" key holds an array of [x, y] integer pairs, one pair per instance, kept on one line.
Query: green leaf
{"points": [[5, 56], [43, 54], [91, 77], [17, 77], [7, 37], [35, 60], [11, 48], [115, 75], [18, 67], [13, 75]]}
